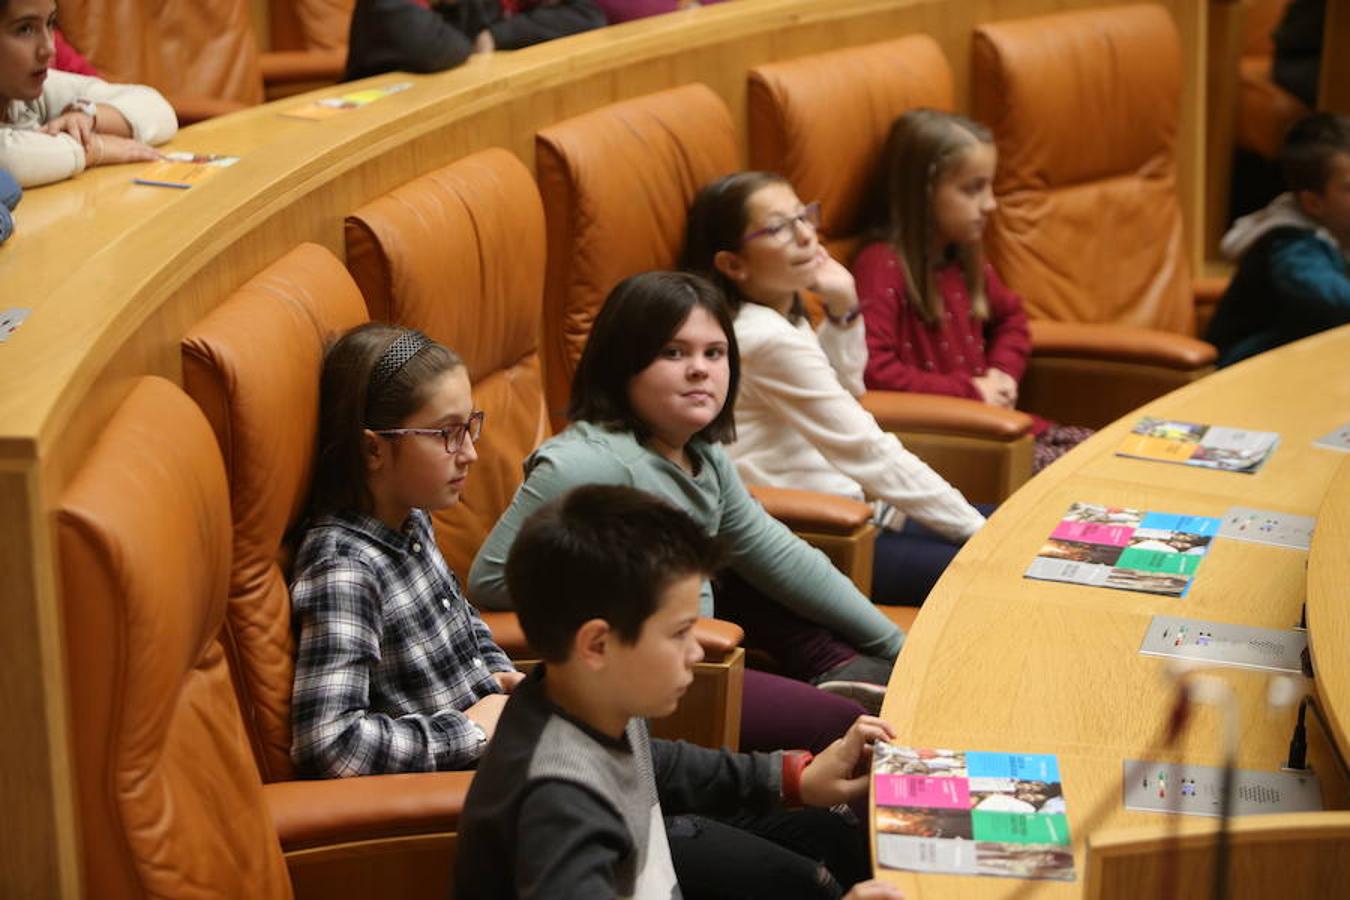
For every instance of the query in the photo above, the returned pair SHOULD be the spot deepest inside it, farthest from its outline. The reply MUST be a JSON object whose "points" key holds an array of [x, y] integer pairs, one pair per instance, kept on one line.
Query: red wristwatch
{"points": [[794, 763]]}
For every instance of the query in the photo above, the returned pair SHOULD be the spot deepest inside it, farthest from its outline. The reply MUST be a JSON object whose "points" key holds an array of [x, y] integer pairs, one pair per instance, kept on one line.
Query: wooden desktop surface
{"points": [[999, 662]]}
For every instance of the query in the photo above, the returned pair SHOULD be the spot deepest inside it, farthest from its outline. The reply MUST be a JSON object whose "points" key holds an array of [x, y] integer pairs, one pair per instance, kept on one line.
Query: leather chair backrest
{"points": [[309, 24], [1085, 108], [859, 92], [617, 183], [202, 49], [253, 366], [1262, 17], [459, 254], [169, 801]]}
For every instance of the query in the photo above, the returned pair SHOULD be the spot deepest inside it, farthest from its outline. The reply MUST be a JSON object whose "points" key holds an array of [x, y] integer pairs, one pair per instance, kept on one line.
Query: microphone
{"points": [[1196, 686]]}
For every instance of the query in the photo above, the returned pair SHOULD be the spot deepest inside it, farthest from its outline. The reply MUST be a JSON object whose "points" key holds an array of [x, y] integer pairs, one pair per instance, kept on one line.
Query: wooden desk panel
{"points": [[999, 662]]}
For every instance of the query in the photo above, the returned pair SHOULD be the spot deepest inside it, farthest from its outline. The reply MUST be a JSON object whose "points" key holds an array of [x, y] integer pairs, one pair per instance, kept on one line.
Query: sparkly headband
{"points": [[395, 357]]}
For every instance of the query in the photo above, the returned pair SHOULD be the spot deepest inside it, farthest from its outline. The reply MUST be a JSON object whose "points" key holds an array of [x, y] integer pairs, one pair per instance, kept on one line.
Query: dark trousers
{"points": [[908, 562], [806, 853], [777, 712]]}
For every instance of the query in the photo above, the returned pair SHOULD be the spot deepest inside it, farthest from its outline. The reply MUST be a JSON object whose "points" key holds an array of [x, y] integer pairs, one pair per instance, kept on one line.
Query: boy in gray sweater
{"points": [[574, 799]]}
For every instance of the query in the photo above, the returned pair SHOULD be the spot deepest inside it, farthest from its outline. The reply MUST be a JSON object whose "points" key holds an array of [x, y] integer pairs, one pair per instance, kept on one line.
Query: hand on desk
{"points": [[874, 890], [840, 771], [108, 150]]}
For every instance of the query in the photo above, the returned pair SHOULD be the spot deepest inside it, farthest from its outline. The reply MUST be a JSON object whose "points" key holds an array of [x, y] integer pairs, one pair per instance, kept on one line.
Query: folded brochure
{"points": [[1126, 549], [183, 170], [970, 813], [334, 106], [1191, 444]]}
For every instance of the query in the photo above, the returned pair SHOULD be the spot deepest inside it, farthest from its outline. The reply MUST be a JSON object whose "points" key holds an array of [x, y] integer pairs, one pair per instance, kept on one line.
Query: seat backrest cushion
{"points": [[309, 24], [617, 183], [459, 254], [184, 49], [253, 366], [169, 800], [859, 92], [1085, 108]]}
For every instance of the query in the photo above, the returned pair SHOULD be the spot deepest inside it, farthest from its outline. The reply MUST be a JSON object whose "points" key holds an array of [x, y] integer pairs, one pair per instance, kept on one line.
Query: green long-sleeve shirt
{"points": [[762, 550]]}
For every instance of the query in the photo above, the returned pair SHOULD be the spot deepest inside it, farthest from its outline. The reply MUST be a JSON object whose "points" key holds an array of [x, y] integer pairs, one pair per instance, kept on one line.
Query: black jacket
{"points": [[398, 34]]}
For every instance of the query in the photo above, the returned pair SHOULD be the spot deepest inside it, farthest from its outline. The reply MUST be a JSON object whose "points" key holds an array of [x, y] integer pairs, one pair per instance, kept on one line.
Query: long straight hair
{"points": [[924, 145], [348, 406]]}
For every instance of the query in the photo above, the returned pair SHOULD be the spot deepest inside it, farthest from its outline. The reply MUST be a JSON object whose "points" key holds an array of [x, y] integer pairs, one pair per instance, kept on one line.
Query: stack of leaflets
{"points": [[1127, 549], [970, 813], [335, 106], [183, 170], [1209, 446]]}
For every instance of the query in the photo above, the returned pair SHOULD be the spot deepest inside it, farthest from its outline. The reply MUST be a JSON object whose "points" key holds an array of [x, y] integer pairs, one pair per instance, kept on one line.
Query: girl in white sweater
{"points": [[56, 124], [798, 423]]}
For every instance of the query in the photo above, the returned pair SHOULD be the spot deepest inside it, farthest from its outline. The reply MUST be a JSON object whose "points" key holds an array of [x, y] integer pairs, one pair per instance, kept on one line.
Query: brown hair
{"points": [[717, 221], [639, 318], [1309, 146], [923, 145], [349, 403]]}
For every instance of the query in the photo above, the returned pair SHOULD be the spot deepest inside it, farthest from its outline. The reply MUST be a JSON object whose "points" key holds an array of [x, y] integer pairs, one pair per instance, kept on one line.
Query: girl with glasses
{"points": [[799, 423], [394, 671]]}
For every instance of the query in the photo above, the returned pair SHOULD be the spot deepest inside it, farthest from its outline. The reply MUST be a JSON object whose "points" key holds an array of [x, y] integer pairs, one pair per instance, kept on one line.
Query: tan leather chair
{"points": [[168, 799], [253, 366], [617, 183], [1089, 227], [459, 254], [984, 450], [307, 45], [1265, 110], [201, 56]]}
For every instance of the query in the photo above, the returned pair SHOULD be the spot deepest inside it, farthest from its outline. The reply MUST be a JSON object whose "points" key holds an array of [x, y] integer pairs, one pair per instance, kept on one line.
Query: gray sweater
{"points": [[762, 550]]}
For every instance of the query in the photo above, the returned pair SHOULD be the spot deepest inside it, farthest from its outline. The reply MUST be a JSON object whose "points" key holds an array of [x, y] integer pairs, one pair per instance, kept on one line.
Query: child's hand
{"points": [[834, 283], [991, 389], [839, 773], [108, 149], [1007, 384], [484, 43], [874, 890], [507, 681], [78, 125], [486, 712]]}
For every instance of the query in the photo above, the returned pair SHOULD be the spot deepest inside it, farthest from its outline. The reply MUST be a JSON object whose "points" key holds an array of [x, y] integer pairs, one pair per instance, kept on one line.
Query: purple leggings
{"points": [[782, 713]]}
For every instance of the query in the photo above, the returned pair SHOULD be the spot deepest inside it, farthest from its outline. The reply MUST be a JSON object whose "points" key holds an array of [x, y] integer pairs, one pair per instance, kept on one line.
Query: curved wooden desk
{"points": [[999, 662], [116, 273], [1329, 602]]}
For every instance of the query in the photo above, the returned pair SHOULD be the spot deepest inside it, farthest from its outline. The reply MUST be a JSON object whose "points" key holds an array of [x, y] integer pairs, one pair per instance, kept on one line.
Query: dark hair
{"points": [[1309, 146], [717, 222], [600, 552], [639, 318], [921, 147], [348, 404]]}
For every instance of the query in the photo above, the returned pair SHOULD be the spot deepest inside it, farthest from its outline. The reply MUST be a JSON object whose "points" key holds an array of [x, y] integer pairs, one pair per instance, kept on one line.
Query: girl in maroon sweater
{"points": [[953, 328]]}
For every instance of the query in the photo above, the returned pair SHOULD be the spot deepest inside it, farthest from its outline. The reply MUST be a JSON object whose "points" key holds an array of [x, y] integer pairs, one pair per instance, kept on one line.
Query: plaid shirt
{"points": [[388, 652]]}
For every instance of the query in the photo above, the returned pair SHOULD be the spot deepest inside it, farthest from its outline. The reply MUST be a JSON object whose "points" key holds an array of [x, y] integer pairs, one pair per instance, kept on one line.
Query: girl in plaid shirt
{"points": [[395, 671]]}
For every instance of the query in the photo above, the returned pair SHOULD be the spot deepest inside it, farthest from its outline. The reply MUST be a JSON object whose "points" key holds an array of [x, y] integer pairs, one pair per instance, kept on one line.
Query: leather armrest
{"points": [[1209, 290], [505, 628], [198, 108], [811, 511], [337, 810], [717, 638], [936, 414], [1120, 343], [281, 66]]}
